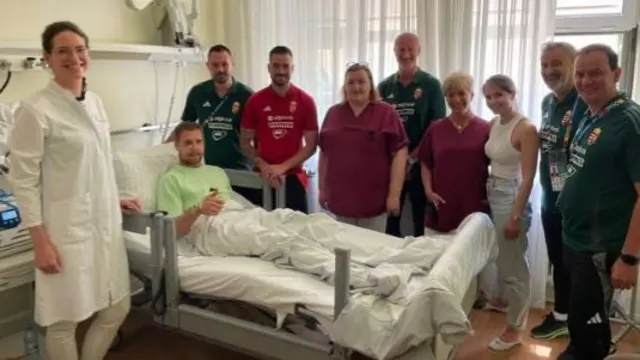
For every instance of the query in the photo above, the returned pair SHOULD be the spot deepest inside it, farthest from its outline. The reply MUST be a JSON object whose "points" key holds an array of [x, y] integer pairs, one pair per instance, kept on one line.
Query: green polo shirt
{"points": [[419, 103], [556, 132], [604, 163], [220, 120]]}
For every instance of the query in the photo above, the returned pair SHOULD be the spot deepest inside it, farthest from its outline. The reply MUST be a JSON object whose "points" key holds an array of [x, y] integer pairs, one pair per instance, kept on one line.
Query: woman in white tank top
{"points": [[512, 149]]}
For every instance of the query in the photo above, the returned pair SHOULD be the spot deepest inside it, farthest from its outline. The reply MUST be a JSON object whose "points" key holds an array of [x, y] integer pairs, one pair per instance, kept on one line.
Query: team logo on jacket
{"points": [[218, 135], [593, 137], [235, 108], [293, 106], [417, 94]]}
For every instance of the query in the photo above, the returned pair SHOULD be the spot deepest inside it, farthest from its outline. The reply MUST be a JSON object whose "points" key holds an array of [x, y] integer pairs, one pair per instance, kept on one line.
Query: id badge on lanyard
{"points": [[558, 168], [558, 158]]}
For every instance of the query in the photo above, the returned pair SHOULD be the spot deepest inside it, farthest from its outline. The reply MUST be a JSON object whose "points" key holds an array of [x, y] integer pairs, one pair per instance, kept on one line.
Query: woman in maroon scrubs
{"points": [[454, 164], [363, 154]]}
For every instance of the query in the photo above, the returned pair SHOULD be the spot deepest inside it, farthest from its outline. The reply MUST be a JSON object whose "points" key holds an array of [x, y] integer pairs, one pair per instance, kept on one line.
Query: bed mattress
{"points": [[369, 324]]}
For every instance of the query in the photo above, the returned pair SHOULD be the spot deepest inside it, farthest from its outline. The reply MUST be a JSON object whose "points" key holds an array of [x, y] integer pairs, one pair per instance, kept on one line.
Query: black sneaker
{"points": [[550, 329]]}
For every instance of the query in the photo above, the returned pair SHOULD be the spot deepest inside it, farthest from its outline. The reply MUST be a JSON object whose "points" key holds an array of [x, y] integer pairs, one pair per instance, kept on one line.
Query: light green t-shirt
{"points": [[184, 187]]}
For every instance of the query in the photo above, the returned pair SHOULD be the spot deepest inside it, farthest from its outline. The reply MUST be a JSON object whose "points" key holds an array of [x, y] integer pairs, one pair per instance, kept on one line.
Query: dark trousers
{"points": [[552, 224], [295, 195], [415, 190], [589, 303]]}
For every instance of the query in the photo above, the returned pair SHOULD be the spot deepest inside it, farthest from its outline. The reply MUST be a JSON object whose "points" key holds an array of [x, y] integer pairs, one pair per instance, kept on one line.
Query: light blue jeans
{"points": [[513, 271]]}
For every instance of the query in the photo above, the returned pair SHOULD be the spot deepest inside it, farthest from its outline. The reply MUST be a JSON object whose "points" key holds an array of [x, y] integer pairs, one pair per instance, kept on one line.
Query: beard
{"points": [[221, 78], [280, 80], [191, 160]]}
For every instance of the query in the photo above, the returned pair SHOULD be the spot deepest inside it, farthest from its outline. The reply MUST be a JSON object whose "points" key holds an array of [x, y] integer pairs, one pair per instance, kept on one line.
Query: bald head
{"points": [[407, 50]]}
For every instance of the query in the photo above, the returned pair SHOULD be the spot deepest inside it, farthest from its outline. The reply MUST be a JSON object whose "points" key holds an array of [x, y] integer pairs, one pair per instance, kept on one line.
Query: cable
{"points": [[172, 101], [6, 81]]}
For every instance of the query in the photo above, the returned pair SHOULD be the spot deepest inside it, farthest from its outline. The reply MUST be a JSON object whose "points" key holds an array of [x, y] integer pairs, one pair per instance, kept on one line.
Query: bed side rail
{"points": [[137, 223], [252, 180], [342, 281], [171, 273]]}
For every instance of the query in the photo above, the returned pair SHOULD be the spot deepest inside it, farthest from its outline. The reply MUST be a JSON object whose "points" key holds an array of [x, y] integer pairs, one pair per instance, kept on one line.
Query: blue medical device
{"points": [[9, 213]]}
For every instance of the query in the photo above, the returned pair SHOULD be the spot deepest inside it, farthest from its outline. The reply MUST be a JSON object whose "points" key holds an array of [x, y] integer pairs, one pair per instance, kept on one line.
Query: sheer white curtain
{"points": [[506, 37], [482, 37]]}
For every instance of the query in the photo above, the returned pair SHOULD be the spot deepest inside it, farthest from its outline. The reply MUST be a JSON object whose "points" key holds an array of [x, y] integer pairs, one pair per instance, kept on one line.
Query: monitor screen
{"points": [[9, 215]]}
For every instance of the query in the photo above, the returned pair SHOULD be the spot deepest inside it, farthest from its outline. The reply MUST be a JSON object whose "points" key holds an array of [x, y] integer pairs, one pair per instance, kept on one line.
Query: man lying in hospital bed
{"points": [[379, 326], [216, 223]]}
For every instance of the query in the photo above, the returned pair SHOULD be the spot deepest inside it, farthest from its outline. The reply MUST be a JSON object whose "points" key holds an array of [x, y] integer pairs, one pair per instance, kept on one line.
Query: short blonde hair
{"points": [[458, 80], [373, 94]]}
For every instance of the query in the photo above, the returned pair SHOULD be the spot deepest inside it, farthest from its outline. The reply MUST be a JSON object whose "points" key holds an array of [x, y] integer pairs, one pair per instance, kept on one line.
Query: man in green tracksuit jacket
{"points": [[419, 99]]}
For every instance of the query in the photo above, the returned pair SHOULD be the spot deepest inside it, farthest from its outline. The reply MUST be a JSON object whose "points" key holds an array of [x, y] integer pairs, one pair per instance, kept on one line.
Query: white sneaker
{"points": [[500, 345]]}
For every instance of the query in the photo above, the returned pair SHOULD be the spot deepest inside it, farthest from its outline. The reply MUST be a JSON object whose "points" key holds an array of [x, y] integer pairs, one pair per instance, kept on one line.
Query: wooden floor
{"points": [[144, 341]]}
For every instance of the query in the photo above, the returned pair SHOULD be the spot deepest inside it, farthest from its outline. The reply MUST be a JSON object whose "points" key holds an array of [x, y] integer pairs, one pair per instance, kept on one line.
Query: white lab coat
{"points": [[6, 122], [62, 177]]}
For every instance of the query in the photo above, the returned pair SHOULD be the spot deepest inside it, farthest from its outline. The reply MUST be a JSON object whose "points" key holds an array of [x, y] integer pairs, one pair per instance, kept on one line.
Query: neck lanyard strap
{"points": [[589, 121]]}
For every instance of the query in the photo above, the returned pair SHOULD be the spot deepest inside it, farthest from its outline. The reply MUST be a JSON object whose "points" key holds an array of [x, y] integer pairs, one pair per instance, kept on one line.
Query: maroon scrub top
{"points": [[459, 170], [358, 151]]}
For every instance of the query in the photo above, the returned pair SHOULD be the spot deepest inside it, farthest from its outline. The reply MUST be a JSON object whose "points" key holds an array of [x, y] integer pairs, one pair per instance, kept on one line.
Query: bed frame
{"points": [[243, 335]]}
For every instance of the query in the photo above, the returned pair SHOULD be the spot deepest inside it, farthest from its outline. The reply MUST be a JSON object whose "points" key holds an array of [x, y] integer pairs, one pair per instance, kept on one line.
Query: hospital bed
{"points": [[294, 315]]}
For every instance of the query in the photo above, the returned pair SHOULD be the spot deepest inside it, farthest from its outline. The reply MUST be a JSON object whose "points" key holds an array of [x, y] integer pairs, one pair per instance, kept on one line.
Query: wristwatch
{"points": [[631, 260]]}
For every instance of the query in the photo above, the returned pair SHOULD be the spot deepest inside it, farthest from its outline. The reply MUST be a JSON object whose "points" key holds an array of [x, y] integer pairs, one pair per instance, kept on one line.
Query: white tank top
{"points": [[505, 159]]}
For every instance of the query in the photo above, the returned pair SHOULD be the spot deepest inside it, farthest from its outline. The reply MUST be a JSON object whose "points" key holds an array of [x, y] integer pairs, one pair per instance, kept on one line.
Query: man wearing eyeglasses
{"points": [[417, 96]]}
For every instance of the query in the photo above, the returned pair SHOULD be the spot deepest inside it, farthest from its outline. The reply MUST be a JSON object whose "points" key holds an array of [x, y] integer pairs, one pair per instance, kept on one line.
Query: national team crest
{"points": [[293, 106], [235, 108], [593, 137], [566, 119], [417, 94], [279, 133]]}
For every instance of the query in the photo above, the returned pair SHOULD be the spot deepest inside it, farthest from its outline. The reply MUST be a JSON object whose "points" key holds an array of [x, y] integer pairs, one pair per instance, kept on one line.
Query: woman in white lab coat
{"points": [[64, 183]]}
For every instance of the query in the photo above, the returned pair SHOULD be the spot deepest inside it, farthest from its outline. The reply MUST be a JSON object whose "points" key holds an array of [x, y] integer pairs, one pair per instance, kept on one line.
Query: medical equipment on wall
{"points": [[180, 21]]}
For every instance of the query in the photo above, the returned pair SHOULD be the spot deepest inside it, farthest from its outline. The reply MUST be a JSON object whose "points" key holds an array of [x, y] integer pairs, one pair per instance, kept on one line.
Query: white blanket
{"points": [[306, 242]]}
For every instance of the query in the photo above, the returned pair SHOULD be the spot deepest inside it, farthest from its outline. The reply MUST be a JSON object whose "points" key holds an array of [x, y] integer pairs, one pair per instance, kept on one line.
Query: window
{"points": [[615, 40], [595, 16], [582, 8]]}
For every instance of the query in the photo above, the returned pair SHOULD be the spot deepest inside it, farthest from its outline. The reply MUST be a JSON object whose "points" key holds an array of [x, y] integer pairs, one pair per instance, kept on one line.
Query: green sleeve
{"points": [[226, 183], [168, 197], [437, 106], [190, 112], [632, 150]]}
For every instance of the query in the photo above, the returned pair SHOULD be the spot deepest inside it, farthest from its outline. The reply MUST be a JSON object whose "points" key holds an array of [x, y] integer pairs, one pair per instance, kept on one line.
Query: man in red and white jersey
{"points": [[275, 122]]}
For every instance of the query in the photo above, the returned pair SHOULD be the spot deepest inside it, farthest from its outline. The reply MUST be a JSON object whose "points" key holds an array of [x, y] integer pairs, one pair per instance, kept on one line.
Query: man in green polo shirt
{"points": [[217, 105], [600, 211], [419, 99], [562, 109]]}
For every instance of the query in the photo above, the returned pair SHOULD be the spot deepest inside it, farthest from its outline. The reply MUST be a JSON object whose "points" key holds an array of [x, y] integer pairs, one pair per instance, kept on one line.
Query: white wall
{"points": [[128, 88]]}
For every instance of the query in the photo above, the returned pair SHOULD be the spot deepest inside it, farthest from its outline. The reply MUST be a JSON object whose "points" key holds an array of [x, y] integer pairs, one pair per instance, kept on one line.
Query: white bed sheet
{"points": [[369, 324]]}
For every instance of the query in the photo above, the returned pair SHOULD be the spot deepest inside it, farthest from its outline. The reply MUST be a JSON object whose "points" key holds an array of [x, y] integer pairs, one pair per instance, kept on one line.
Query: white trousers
{"points": [[376, 223], [60, 341]]}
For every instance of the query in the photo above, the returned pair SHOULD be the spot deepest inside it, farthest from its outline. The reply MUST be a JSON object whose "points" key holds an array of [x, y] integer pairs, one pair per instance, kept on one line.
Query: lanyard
{"points": [[215, 110], [589, 121], [574, 114]]}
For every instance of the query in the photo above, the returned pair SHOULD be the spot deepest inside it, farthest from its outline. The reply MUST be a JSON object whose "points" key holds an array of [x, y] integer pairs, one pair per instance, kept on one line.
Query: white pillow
{"points": [[137, 171]]}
